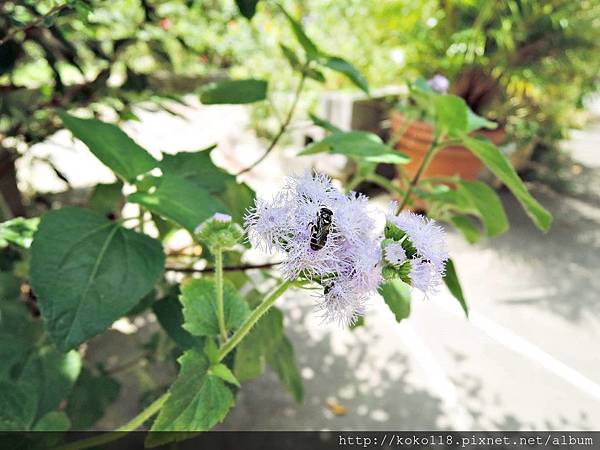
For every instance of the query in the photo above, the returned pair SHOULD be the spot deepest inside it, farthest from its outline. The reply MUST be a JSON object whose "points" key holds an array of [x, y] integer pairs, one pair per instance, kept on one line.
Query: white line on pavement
{"points": [[520, 345], [438, 379]]}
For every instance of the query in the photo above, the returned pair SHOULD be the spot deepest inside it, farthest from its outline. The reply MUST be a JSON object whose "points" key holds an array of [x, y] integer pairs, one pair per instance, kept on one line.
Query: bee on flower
{"points": [[331, 239], [327, 237]]}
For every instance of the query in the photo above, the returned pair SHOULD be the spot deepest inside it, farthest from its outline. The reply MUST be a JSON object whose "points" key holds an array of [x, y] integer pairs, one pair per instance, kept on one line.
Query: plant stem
{"points": [[283, 127], [139, 420], [239, 268], [141, 217], [12, 33], [154, 408], [120, 432], [256, 314], [384, 182], [426, 160], [219, 287], [355, 182]]}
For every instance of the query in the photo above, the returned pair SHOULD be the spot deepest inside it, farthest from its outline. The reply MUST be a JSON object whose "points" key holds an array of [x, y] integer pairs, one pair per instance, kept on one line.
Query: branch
{"points": [[11, 33], [282, 128], [426, 159], [239, 268]]}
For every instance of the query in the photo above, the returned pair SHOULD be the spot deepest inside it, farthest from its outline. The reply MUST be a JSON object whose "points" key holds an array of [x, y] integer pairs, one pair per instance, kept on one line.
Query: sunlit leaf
{"points": [[87, 271], [234, 92]]}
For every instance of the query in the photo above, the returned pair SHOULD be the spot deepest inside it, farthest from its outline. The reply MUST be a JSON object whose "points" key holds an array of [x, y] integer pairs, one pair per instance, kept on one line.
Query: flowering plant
{"points": [[69, 275]]}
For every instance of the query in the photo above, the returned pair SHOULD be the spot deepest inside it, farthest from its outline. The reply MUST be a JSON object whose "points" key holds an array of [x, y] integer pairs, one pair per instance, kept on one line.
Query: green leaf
{"points": [[453, 284], [291, 56], [247, 7], [311, 50], [179, 200], [475, 122], [235, 92], [90, 397], [197, 399], [111, 146], [17, 406], [295, 63], [87, 272], [451, 114], [421, 85], [360, 145], [342, 66], [493, 158], [251, 354], [238, 198], [446, 197], [283, 362], [53, 421], [487, 203], [325, 124], [169, 314], [51, 375], [10, 286], [396, 295], [250, 359], [198, 297], [18, 334], [18, 231], [223, 372], [198, 168], [467, 228], [107, 199]]}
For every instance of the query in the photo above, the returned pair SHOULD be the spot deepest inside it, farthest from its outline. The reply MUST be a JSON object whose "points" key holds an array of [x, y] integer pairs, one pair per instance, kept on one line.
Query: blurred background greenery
{"points": [[527, 64]]}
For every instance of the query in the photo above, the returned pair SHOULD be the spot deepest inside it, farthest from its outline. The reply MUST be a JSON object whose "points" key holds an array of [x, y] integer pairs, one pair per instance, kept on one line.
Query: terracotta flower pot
{"points": [[450, 161]]}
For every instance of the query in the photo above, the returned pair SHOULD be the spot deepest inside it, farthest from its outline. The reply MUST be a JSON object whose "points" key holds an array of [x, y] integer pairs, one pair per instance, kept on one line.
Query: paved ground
{"points": [[527, 359]]}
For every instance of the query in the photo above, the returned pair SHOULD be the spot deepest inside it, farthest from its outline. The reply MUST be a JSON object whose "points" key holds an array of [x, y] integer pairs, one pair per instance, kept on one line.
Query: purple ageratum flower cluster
{"points": [[327, 237], [421, 243], [439, 83]]}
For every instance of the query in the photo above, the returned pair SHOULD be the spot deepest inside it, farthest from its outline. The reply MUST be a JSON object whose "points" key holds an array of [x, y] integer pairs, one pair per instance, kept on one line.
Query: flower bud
{"points": [[219, 232]]}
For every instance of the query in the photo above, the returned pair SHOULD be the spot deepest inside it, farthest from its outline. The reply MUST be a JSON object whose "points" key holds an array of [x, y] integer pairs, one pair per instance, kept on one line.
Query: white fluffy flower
{"points": [[425, 234], [341, 302], [266, 223], [394, 253], [326, 235], [428, 245], [425, 276]]}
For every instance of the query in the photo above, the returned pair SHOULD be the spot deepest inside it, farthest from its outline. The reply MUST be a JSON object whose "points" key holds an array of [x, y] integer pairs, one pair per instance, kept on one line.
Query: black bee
{"points": [[320, 230], [327, 287]]}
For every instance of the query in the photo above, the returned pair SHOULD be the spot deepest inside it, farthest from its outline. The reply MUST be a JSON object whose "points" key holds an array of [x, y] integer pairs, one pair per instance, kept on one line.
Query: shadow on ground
{"points": [[568, 255]]}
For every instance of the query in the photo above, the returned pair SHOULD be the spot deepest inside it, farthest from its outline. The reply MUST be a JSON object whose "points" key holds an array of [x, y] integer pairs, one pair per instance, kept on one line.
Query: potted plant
{"points": [[413, 132]]}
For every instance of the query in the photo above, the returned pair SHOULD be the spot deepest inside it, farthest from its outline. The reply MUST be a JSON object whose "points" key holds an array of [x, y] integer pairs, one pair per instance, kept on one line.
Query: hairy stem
{"points": [[385, 183], [219, 287], [256, 314], [426, 160], [239, 268], [155, 407], [282, 128], [120, 432]]}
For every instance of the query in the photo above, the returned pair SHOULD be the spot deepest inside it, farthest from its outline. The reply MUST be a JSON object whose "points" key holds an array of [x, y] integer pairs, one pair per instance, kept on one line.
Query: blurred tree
{"points": [[99, 55]]}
